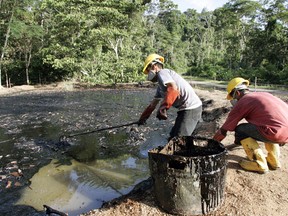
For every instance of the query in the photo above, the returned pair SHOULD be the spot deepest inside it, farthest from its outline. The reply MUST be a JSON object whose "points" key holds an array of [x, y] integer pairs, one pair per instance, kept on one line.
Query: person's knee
{"points": [[240, 134], [239, 137]]}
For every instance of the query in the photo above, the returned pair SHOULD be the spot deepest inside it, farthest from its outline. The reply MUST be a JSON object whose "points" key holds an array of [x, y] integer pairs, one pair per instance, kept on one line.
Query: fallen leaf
{"points": [[9, 183], [15, 174], [17, 184], [3, 177]]}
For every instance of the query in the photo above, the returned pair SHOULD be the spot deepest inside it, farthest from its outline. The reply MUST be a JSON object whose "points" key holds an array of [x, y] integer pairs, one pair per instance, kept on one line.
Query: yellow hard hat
{"points": [[234, 83], [152, 58]]}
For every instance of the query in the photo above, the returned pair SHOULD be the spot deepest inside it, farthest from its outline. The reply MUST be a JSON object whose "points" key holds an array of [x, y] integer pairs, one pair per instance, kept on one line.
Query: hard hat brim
{"points": [[228, 97], [151, 58]]}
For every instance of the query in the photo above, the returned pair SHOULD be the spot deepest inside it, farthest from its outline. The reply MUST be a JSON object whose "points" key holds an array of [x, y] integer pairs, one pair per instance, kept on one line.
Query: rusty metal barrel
{"points": [[189, 175]]}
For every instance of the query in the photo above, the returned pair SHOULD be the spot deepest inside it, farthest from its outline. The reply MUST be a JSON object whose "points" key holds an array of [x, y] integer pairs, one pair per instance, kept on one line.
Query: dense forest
{"points": [[107, 41]]}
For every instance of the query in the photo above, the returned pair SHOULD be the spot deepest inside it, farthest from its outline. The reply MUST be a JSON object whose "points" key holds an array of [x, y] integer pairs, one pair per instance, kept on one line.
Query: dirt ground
{"points": [[246, 193]]}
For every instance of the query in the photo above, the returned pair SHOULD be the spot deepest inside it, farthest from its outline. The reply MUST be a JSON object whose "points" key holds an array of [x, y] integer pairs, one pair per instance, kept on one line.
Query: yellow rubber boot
{"points": [[249, 145], [257, 161], [273, 155]]}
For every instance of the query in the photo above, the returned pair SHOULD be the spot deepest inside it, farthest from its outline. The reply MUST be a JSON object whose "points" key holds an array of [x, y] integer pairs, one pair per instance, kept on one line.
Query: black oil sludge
{"points": [[189, 175]]}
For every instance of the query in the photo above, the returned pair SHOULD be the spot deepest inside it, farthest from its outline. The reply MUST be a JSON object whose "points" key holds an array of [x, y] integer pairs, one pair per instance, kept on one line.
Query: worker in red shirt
{"points": [[267, 121]]}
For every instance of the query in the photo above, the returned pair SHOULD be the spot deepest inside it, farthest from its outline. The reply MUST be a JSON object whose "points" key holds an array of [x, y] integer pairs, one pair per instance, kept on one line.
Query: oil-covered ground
{"points": [[79, 173], [87, 171]]}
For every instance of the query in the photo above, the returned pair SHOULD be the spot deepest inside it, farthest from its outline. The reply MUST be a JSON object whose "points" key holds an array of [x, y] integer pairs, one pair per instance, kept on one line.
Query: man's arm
{"points": [[171, 95], [148, 111]]}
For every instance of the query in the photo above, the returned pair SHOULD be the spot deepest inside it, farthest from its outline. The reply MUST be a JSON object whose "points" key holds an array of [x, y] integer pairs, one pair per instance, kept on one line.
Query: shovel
{"points": [[65, 137]]}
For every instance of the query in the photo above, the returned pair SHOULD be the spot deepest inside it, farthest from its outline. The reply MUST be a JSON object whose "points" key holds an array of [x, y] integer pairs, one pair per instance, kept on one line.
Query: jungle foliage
{"points": [[107, 41]]}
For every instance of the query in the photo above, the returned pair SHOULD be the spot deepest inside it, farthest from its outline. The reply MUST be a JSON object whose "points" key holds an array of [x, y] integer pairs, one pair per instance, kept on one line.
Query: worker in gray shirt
{"points": [[174, 91]]}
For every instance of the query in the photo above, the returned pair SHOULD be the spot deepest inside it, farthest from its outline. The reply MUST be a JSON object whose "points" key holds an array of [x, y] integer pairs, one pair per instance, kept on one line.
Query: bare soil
{"points": [[246, 193]]}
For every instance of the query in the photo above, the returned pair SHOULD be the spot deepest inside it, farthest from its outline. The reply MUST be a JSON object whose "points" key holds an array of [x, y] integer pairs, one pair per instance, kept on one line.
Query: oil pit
{"points": [[90, 169]]}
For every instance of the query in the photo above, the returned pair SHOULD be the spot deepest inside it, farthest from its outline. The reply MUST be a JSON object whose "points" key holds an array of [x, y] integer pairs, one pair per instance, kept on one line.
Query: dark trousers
{"points": [[245, 130], [186, 122]]}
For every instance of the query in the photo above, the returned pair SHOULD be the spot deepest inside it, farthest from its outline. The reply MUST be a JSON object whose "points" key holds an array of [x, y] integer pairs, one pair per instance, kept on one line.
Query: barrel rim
{"points": [[223, 149]]}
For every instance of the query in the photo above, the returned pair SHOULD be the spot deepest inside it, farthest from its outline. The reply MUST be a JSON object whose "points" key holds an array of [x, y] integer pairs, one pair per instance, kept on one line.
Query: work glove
{"points": [[171, 96], [142, 121], [162, 113], [145, 115], [219, 136]]}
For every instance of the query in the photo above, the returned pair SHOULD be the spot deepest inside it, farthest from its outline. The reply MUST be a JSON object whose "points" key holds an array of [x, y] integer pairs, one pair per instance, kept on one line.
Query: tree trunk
{"points": [[28, 56], [5, 43]]}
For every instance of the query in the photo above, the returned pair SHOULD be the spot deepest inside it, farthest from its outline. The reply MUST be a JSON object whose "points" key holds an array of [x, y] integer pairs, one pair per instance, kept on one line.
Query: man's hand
{"points": [[219, 136], [147, 112], [141, 122], [145, 115], [162, 113]]}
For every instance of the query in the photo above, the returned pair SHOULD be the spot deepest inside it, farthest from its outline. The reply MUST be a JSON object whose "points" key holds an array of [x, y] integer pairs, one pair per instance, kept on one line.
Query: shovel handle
{"points": [[64, 137]]}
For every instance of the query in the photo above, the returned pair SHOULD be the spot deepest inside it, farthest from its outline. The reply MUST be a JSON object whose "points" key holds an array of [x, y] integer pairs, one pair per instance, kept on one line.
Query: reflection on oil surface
{"points": [[79, 187], [94, 168]]}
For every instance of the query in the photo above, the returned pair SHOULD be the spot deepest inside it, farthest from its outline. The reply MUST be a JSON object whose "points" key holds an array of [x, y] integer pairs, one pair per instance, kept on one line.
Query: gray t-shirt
{"points": [[188, 98]]}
